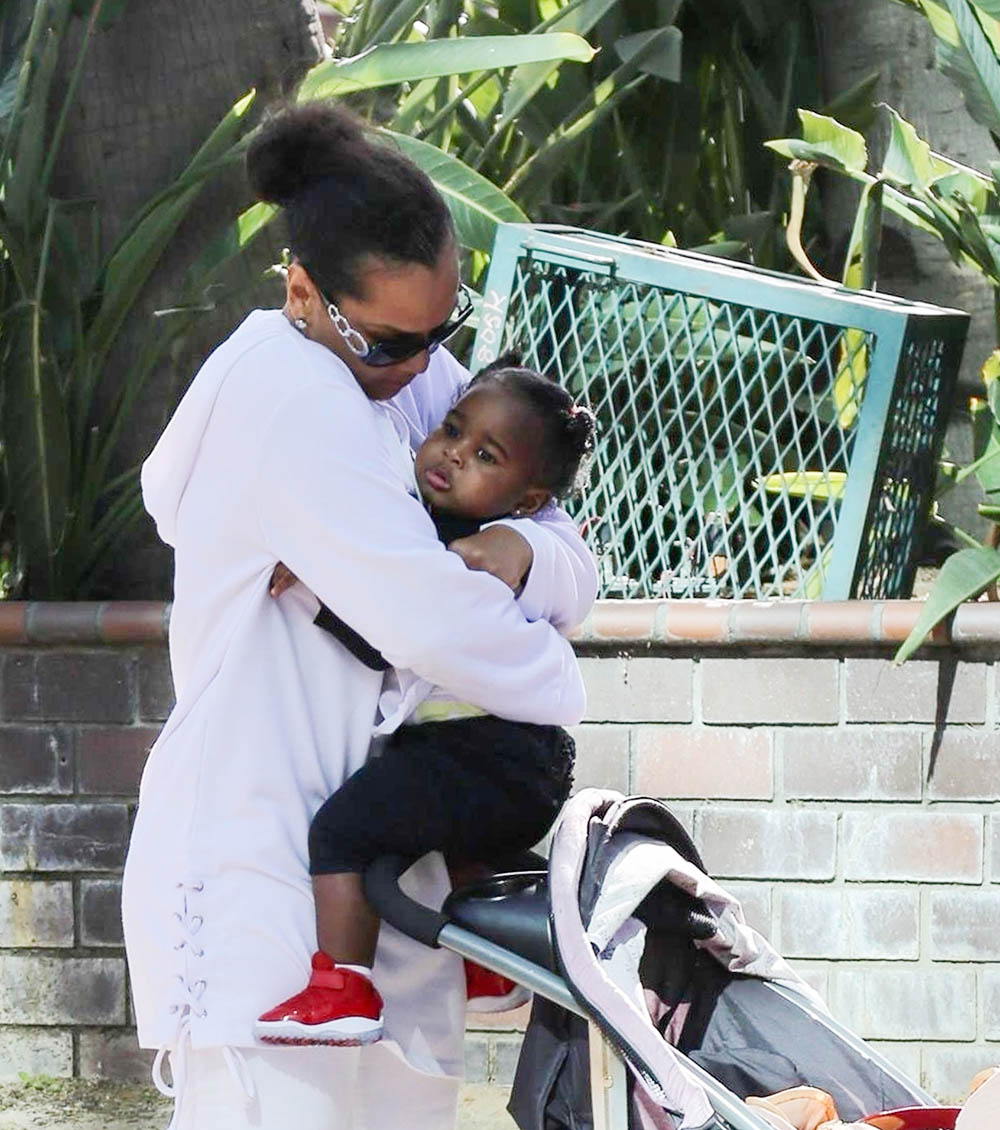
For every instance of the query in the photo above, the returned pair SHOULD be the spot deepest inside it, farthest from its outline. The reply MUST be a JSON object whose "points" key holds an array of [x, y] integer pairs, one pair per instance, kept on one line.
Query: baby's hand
{"points": [[282, 578], [497, 550]]}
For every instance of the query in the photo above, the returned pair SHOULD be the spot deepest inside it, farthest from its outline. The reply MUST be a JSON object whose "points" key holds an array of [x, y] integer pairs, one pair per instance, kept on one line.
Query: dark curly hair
{"points": [[347, 195]]}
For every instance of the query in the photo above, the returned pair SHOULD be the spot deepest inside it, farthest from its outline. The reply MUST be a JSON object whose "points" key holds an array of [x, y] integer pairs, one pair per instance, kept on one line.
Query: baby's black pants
{"points": [[478, 789]]}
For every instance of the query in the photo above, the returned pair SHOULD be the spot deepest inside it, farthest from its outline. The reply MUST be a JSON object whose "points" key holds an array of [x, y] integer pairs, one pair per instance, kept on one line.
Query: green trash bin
{"points": [[760, 436]]}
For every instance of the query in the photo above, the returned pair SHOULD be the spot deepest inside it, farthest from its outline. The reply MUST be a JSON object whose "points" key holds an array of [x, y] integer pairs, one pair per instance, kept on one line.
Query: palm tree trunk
{"points": [[156, 82], [857, 37]]}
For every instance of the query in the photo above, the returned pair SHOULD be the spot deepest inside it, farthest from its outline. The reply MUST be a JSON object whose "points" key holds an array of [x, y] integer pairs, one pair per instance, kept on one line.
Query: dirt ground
{"points": [[80, 1104]]}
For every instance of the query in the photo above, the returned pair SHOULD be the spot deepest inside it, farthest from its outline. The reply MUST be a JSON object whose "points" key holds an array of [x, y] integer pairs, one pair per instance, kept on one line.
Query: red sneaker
{"points": [[490, 992], [338, 1006]]}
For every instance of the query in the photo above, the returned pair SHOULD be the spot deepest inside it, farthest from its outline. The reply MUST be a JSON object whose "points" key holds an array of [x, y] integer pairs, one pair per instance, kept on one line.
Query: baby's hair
{"points": [[568, 429]]}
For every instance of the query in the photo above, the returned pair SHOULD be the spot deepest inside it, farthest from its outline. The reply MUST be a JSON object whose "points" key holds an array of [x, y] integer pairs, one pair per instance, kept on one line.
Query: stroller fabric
{"points": [[660, 957]]}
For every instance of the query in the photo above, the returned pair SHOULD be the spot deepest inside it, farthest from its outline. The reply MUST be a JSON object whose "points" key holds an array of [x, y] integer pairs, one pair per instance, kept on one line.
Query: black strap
{"points": [[357, 645], [449, 527]]}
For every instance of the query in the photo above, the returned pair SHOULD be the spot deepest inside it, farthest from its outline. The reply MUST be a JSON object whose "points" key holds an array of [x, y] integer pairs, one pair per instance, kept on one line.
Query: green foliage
{"points": [[62, 308], [659, 136], [62, 511], [961, 207]]}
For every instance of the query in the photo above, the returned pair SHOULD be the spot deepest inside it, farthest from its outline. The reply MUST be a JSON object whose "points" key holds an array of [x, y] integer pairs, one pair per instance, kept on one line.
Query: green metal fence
{"points": [[759, 436]]}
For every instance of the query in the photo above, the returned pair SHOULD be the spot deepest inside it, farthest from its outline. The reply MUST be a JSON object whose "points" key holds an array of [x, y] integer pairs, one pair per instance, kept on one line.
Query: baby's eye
{"points": [[485, 456], [449, 429]]}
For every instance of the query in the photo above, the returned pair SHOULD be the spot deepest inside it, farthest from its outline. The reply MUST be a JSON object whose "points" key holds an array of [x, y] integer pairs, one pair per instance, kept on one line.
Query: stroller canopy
{"points": [[661, 958]]}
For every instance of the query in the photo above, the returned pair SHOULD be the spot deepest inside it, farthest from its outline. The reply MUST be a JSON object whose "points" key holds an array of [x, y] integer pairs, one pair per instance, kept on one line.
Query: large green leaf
{"points": [[24, 204], [529, 79], [398, 18], [963, 576], [546, 160], [393, 63], [662, 62], [476, 204], [908, 161], [825, 142], [986, 450], [35, 437], [970, 60]]}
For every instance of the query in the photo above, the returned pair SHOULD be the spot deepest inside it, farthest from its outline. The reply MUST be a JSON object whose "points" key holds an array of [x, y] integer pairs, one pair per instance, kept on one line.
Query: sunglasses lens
{"points": [[404, 346]]}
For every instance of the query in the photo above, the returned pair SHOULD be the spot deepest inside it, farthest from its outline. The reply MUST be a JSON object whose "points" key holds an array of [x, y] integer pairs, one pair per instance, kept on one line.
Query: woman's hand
{"points": [[498, 550], [282, 578]]}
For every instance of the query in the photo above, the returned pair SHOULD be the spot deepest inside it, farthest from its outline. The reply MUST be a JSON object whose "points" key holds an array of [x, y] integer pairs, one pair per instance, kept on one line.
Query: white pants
{"points": [[310, 1088]]}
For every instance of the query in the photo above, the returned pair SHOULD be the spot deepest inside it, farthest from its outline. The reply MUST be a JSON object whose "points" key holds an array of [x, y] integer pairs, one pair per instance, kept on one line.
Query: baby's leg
{"points": [[346, 925]]}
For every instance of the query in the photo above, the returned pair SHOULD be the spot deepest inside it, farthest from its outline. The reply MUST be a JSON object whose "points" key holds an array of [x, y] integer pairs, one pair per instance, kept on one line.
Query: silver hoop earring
{"points": [[301, 325]]}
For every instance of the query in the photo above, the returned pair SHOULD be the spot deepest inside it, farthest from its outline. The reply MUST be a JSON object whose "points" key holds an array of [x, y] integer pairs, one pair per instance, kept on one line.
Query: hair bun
{"points": [[582, 427], [300, 145]]}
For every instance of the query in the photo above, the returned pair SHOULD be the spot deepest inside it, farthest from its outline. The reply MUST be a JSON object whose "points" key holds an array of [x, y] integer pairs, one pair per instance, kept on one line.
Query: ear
{"points": [[533, 499], [301, 295]]}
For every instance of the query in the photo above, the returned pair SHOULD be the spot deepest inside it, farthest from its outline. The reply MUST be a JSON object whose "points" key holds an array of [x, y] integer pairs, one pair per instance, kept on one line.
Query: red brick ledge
{"points": [[84, 622], [808, 624], [691, 623]]}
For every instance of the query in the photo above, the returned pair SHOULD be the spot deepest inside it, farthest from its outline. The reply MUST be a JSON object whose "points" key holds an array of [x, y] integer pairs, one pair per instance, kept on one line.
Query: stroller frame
{"points": [[512, 944], [608, 1072]]}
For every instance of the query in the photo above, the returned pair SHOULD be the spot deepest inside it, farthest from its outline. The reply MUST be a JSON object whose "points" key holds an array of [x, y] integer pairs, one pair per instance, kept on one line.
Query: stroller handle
{"points": [[408, 916]]}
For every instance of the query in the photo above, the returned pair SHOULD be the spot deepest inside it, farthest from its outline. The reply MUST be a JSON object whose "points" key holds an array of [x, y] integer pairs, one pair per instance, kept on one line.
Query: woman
{"points": [[292, 444]]}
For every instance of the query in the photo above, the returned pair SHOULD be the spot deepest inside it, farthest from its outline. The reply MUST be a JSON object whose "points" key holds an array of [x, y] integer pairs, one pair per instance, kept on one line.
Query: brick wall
{"points": [[854, 806]]}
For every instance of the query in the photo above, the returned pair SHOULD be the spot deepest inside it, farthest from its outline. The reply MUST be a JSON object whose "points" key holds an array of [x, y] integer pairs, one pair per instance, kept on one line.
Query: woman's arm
{"points": [[561, 586], [331, 507]]}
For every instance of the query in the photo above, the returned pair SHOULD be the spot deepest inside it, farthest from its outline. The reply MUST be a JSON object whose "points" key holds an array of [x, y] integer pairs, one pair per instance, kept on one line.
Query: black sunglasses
{"points": [[399, 347]]}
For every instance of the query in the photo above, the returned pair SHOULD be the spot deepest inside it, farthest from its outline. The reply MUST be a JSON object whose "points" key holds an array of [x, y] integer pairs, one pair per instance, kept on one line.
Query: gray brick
{"points": [[994, 848], [710, 761], [964, 925], [35, 1051], [477, 1059], [882, 1002], [101, 912], [756, 899], [877, 691], [755, 691], [506, 1050], [110, 1053], [73, 686], [967, 766], [156, 687], [35, 913], [913, 846], [63, 837], [36, 759], [822, 921], [817, 976], [20, 694], [638, 689], [856, 763], [752, 843], [68, 990], [601, 757], [110, 759], [947, 1071], [991, 1002]]}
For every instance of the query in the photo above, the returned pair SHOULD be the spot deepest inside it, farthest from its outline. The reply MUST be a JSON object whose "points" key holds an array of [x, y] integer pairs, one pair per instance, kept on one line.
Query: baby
{"points": [[453, 778]]}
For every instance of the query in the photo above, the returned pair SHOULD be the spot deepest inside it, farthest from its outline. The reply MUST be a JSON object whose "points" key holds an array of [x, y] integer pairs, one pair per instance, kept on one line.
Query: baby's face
{"points": [[483, 458]]}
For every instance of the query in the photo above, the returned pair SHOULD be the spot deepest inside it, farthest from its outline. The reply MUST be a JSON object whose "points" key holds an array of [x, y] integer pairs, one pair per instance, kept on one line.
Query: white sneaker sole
{"points": [[349, 1031], [514, 999]]}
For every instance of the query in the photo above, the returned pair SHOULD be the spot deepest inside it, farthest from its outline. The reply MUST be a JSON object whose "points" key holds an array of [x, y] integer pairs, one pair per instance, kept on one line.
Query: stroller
{"points": [[656, 1006]]}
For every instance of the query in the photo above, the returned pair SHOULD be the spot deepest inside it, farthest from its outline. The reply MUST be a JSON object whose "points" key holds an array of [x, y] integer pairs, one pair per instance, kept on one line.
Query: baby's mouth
{"points": [[437, 479]]}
